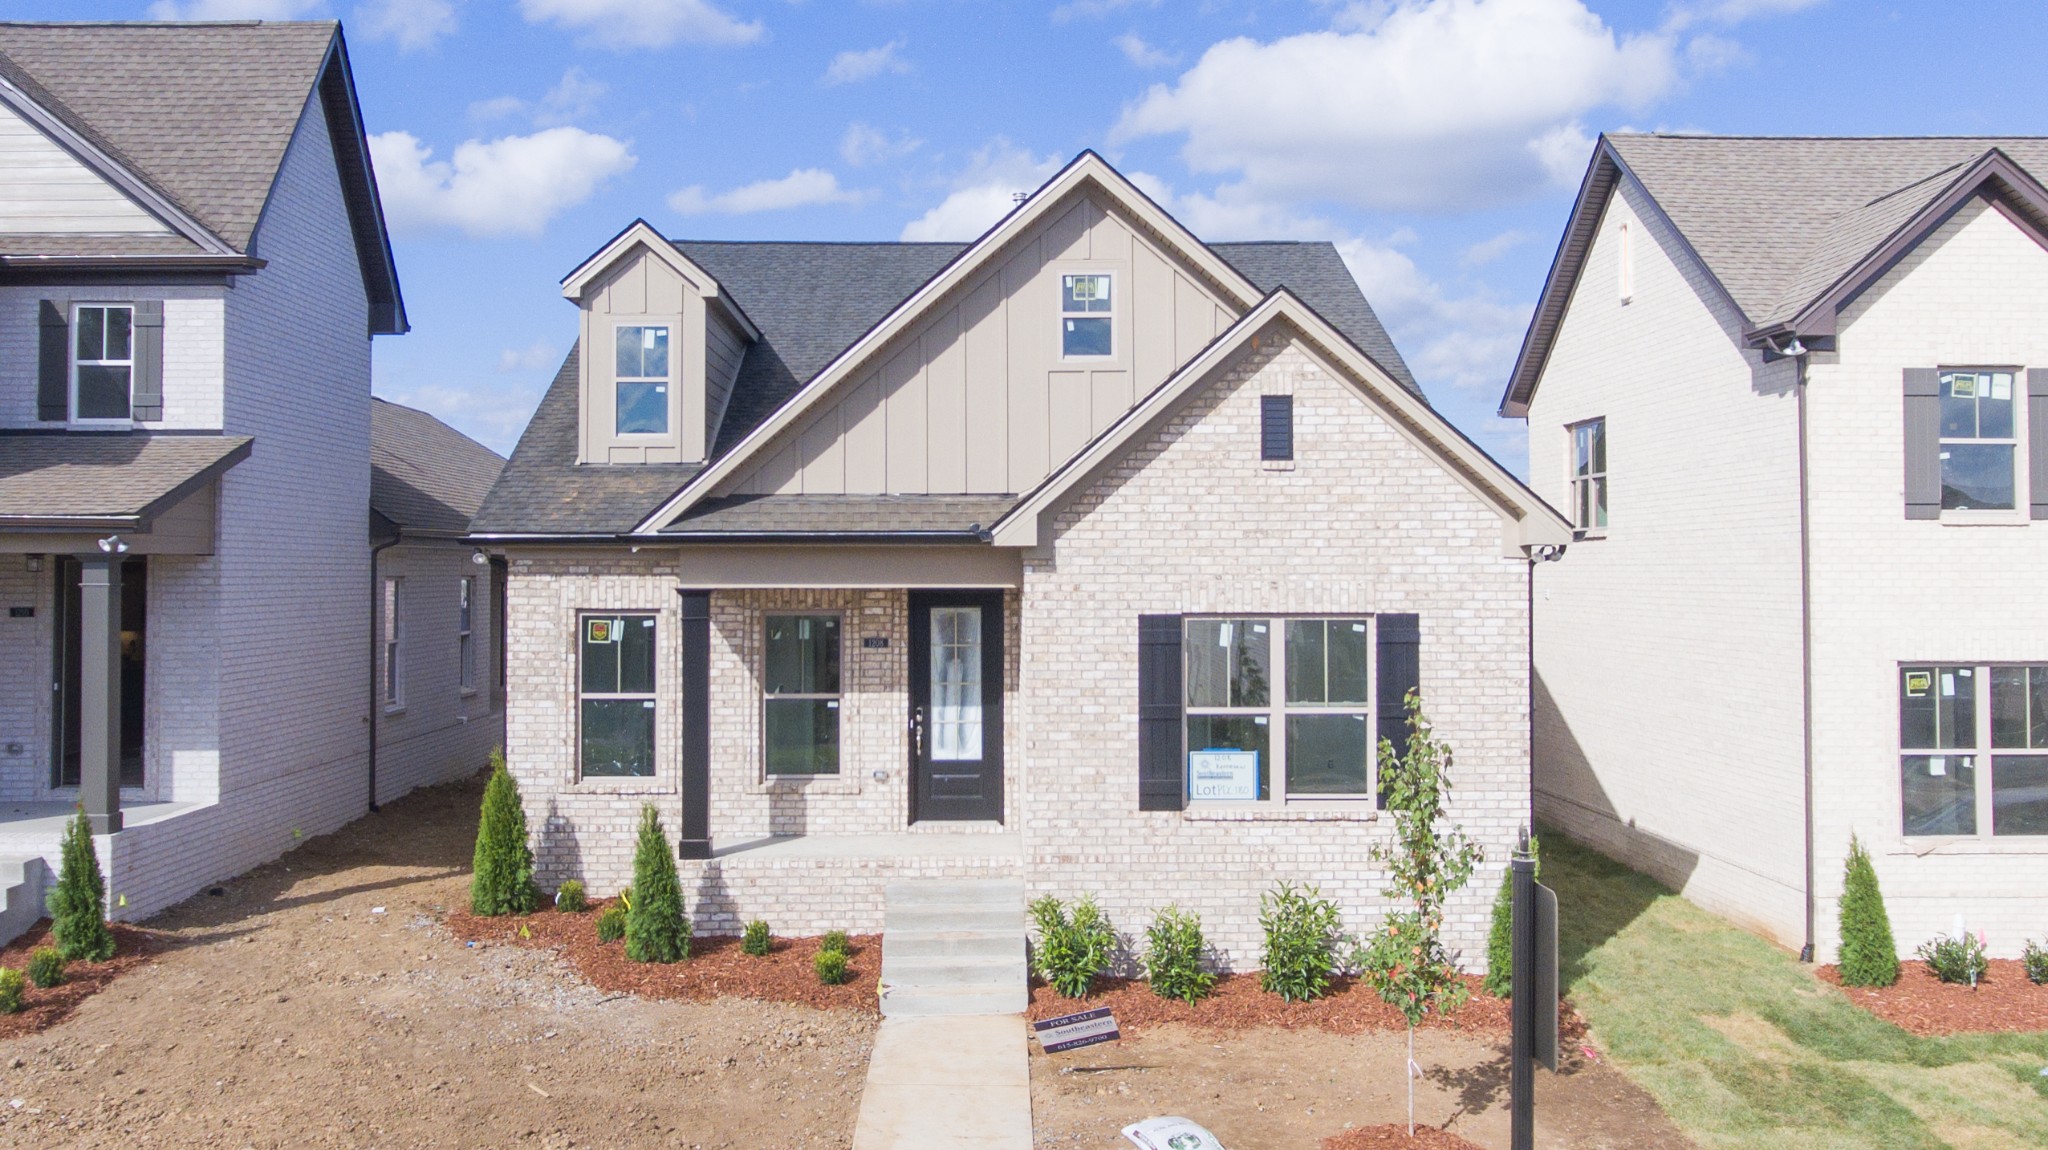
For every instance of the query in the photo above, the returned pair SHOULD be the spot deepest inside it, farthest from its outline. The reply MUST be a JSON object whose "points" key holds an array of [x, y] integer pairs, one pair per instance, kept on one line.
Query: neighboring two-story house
{"points": [[193, 264], [1087, 553], [1795, 394]]}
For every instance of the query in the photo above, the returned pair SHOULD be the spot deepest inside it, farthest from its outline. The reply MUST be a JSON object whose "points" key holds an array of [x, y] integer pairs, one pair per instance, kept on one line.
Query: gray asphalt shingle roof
{"points": [[424, 474], [810, 302], [842, 514], [93, 476]]}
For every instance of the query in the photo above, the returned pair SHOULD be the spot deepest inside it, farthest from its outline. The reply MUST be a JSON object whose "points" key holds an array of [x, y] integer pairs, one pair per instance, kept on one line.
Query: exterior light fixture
{"points": [[35, 564]]}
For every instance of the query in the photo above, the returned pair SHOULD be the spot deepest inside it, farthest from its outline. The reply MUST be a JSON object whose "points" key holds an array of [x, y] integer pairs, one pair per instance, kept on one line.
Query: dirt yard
{"points": [[287, 1011]]}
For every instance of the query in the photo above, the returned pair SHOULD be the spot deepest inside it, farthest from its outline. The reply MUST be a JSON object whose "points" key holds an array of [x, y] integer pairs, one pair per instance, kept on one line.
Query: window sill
{"points": [[1276, 465], [1281, 813], [1954, 846], [1984, 519], [809, 784], [394, 709], [469, 692], [622, 785]]}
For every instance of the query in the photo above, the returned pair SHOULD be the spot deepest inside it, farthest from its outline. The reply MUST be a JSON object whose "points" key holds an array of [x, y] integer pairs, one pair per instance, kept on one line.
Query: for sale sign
{"points": [[1073, 1031]]}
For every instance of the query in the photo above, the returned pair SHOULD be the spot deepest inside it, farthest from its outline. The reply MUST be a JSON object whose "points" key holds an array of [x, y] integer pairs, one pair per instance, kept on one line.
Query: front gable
{"points": [[47, 190]]}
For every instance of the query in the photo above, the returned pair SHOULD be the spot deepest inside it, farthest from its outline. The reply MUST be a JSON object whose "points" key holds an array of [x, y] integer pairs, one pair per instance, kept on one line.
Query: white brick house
{"points": [[1804, 383], [185, 448], [1087, 553]]}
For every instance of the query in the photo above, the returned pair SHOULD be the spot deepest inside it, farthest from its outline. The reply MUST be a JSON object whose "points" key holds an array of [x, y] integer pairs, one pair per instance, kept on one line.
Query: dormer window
{"points": [[641, 377], [103, 362], [1087, 316]]}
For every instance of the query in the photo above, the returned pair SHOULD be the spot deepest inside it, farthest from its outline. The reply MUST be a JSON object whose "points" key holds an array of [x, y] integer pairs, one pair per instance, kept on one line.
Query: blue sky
{"points": [[1437, 142]]}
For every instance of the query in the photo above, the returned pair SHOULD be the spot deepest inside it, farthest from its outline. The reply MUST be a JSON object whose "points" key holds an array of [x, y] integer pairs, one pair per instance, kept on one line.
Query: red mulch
{"points": [[716, 968], [1924, 1005], [1237, 1003], [42, 1009], [1395, 1136]]}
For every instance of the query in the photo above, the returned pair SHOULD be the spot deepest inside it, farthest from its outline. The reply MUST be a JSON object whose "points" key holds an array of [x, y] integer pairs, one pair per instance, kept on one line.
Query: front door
{"points": [[956, 705]]}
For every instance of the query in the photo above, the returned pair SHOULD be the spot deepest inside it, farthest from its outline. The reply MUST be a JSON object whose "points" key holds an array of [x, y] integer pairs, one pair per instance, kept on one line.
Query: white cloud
{"points": [[1095, 9], [803, 188], [1488, 250], [1465, 341], [983, 193], [535, 356], [496, 108], [1438, 105], [1733, 11], [1143, 55], [233, 9], [411, 24], [852, 67], [627, 24], [512, 185], [572, 98], [493, 413], [863, 145]]}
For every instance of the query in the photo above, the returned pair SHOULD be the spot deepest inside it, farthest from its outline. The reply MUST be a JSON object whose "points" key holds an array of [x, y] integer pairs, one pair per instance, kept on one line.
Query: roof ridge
{"points": [[1812, 138]]}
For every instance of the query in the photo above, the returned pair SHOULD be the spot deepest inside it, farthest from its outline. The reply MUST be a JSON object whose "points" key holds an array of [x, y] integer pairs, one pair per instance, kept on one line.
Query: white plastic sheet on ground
{"points": [[1170, 1134]]}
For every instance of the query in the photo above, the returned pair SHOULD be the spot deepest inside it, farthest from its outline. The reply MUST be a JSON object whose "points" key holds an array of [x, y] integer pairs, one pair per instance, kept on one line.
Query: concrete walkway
{"points": [[947, 1081]]}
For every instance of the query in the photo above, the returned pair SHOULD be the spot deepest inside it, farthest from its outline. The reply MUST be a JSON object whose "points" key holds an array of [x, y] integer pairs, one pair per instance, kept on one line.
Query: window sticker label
{"points": [[602, 631], [1963, 386], [1948, 685], [1918, 683], [2001, 386], [1223, 776], [1937, 766]]}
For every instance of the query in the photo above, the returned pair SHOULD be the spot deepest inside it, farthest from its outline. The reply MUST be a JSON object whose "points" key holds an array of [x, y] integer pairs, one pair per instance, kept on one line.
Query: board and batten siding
{"points": [[976, 398], [46, 190], [643, 288]]}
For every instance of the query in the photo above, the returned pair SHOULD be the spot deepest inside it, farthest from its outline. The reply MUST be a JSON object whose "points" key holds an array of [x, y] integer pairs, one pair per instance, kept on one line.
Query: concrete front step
{"points": [[23, 881], [929, 943], [950, 920], [954, 946]]}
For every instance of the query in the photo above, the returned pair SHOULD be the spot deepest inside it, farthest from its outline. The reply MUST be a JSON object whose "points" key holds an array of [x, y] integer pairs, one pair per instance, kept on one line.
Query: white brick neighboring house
{"points": [[1809, 607], [185, 324], [863, 561]]}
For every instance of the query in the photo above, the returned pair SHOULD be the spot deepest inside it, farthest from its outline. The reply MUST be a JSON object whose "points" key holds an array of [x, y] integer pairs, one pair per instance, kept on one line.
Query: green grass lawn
{"points": [[1745, 1048]]}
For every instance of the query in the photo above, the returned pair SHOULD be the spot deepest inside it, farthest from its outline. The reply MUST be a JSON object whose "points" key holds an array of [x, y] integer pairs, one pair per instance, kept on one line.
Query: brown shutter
{"points": [[53, 368], [147, 397], [1400, 671], [1161, 786], [1923, 443], [2037, 439]]}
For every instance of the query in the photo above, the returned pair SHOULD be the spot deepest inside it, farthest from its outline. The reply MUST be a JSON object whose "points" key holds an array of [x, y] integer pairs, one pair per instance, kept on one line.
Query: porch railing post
{"points": [[99, 683], [695, 840]]}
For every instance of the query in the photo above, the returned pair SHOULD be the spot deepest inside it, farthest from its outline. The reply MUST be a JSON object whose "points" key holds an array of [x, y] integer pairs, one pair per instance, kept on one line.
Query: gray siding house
{"points": [[193, 263], [1086, 554]]}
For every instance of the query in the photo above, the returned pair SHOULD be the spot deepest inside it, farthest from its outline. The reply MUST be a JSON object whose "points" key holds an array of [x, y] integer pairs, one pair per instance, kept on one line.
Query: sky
{"points": [[1437, 143]]}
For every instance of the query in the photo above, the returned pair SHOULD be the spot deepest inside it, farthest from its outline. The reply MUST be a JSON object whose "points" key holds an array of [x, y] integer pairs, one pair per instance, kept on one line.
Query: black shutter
{"points": [[695, 839], [2037, 439], [147, 398], [1276, 427], [1923, 443], [1400, 671], [1161, 785], [53, 367]]}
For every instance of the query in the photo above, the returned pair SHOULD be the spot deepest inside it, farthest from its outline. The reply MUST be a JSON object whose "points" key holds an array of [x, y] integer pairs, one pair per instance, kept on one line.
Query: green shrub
{"points": [[570, 899], [12, 987], [1868, 956], [831, 966], [78, 906], [1072, 949], [656, 930], [1301, 940], [1173, 956], [1954, 959], [757, 941], [611, 923], [1500, 940], [46, 966], [835, 940], [501, 879], [2035, 960]]}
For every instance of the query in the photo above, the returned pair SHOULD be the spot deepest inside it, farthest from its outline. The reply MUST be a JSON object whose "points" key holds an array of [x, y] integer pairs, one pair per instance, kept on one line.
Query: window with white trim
{"points": [[1949, 714], [1589, 475], [1087, 315], [102, 362], [394, 631], [800, 695], [640, 379], [1278, 708], [1979, 440], [464, 640], [615, 697]]}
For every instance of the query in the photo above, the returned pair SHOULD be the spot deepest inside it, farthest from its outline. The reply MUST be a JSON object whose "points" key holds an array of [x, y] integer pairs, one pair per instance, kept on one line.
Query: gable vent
{"points": [[1276, 427]]}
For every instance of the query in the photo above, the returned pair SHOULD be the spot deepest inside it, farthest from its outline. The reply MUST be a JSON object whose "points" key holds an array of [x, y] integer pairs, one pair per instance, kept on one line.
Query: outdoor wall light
{"points": [[113, 545], [478, 557], [35, 564]]}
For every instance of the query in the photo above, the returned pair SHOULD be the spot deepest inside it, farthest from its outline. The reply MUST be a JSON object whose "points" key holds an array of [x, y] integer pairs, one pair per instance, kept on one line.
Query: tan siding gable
{"points": [[641, 288], [45, 189], [975, 399]]}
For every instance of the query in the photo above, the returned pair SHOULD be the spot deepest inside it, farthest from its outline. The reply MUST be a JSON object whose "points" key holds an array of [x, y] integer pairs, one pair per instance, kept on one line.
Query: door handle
{"points": [[917, 731]]}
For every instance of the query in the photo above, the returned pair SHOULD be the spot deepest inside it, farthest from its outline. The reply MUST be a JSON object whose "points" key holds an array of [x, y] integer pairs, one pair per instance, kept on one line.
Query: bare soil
{"points": [[1269, 1088], [716, 968], [1395, 1136], [2003, 1000], [44, 1007], [291, 1011]]}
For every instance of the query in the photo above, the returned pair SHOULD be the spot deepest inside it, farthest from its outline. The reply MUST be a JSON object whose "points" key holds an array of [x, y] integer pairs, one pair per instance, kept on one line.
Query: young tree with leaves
{"points": [[1868, 955], [1500, 940], [501, 880], [78, 906], [656, 930], [1426, 864]]}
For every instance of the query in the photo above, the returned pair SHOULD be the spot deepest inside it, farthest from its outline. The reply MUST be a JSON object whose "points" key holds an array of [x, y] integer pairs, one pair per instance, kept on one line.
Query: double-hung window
{"points": [[1979, 440], [800, 705], [1087, 315], [1278, 708], [1949, 714], [616, 697], [102, 362], [465, 642], [394, 664], [640, 361], [1589, 476]]}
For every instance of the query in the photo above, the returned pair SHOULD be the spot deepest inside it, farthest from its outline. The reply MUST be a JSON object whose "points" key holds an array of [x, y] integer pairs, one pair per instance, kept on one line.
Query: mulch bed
{"points": [[1237, 1003], [1395, 1136], [716, 968], [1922, 1004], [42, 1009]]}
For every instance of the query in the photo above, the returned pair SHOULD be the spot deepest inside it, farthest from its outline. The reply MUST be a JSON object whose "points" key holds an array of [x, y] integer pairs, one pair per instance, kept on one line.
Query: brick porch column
{"points": [[99, 685]]}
